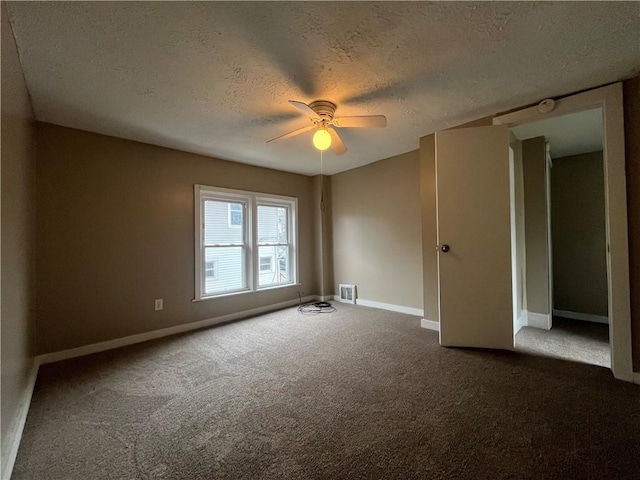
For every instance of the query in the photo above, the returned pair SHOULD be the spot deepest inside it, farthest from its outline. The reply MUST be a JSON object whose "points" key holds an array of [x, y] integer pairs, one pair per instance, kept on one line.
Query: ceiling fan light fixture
{"points": [[322, 139], [321, 115]]}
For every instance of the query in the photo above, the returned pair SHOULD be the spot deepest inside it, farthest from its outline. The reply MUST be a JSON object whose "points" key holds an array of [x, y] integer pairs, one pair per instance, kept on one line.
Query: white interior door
{"points": [[474, 237]]}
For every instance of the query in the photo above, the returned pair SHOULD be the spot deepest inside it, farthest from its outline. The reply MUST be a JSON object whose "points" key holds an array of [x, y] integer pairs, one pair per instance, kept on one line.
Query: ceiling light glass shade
{"points": [[321, 139]]}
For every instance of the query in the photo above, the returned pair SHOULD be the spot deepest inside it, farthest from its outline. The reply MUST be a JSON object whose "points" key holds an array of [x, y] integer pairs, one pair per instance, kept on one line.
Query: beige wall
{"points": [[579, 235], [323, 234], [18, 215], [632, 151], [377, 241], [534, 164], [115, 231]]}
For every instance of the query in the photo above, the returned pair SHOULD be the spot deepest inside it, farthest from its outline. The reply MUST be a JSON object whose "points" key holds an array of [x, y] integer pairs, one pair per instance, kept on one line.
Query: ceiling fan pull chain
{"points": [[321, 184]]}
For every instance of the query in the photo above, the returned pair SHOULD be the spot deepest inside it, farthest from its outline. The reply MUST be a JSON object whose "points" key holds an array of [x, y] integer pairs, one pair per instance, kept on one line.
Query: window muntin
{"points": [[245, 241]]}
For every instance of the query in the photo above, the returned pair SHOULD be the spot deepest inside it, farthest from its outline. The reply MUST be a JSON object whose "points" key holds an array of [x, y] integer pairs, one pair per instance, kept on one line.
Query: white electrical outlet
{"points": [[159, 304]]}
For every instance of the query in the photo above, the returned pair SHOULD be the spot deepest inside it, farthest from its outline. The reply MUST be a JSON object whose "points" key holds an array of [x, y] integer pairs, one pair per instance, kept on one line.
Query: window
{"points": [[273, 243], [266, 264], [245, 241], [210, 269], [235, 214]]}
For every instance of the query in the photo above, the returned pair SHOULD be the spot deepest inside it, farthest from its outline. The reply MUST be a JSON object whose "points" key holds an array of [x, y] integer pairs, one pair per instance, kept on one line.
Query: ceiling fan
{"points": [[321, 114]]}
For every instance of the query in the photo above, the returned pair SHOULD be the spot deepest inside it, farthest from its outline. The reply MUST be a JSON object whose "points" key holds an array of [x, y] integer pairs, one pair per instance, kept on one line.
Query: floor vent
{"points": [[347, 293]]}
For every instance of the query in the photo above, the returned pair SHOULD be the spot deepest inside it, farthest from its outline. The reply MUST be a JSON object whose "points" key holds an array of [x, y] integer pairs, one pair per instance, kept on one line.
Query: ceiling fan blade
{"points": [[305, 109], [361, 121], [292, 134], [337, 145]]}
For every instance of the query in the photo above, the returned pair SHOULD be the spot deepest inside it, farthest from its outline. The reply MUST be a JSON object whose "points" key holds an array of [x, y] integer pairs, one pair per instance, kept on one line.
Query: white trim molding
{"points": [[539, 320], [587, 317], [164, 332], [430, 325], [522, 321], [15, 434], [389, 306]]}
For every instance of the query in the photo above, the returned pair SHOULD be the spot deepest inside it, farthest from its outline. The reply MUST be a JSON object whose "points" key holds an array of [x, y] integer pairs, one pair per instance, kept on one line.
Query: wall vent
{"points": [[347, 293]]}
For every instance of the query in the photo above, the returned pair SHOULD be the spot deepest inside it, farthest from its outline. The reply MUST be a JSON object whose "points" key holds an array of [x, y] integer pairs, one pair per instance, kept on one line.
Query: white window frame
{"points": [[250, 200]]}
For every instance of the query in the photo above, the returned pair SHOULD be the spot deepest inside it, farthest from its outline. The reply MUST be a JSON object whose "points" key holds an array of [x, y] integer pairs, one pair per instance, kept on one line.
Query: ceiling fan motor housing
{"points": [[323, 108]]}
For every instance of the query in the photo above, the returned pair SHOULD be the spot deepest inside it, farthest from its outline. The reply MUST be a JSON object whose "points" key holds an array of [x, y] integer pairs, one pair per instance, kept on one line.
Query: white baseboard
{"points": [[430, 324], [587, 317], [539, 320], [164, 332], [388, 306], [17, 428]]}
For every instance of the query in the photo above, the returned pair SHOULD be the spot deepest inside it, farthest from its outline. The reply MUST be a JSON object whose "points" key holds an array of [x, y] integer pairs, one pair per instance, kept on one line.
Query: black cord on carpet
{"points": [[314, 308]]}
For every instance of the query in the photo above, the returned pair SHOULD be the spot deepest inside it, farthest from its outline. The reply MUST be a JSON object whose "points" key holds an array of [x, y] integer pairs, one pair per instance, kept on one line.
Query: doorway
{"points": [[474, 232], [609, 100], [561, 255]]}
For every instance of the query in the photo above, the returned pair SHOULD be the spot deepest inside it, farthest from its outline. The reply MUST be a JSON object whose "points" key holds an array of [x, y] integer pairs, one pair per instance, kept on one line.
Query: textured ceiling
{"points": [[570, 134], [214, 78]]}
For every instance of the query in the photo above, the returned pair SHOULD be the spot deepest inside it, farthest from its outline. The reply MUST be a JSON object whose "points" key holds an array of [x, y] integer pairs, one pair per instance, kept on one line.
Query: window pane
{"points": [[272, 224], [211, 269], [266, 264], [218, 216], [235, 214], [226, 265], [277, 258]]}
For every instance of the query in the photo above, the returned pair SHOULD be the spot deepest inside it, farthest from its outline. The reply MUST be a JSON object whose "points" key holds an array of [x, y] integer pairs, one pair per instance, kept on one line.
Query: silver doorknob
{"points": [[445, 248]]}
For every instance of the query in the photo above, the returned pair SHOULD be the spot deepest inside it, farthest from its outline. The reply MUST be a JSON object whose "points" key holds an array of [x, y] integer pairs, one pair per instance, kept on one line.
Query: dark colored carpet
{"points": [[357, 394]]}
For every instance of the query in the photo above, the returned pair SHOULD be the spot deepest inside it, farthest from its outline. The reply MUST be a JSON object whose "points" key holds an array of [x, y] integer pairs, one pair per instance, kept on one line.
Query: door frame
{"points": [[514, 242], [548, 164], [609, 99]]}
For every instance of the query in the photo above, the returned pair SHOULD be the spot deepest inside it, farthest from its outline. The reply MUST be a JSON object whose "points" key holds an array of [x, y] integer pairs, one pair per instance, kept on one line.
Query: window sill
{"points": [[242, 292]]}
